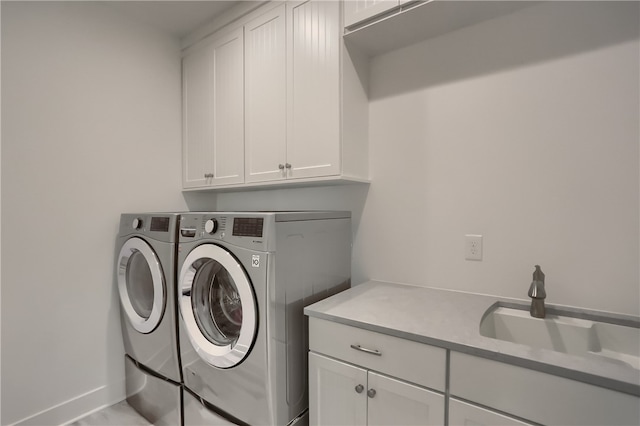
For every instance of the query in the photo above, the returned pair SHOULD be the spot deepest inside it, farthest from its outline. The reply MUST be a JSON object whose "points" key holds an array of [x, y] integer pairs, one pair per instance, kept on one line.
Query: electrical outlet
{"points": [[473, 247]]}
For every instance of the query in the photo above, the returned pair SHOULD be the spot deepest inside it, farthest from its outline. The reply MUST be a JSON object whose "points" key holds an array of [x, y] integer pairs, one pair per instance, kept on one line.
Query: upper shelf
{"points": [[421, 20]]}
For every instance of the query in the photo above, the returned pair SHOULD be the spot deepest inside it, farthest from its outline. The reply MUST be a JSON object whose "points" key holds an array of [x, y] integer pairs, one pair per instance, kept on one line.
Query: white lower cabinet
{"points": [[536, 396], [344, 394], [361, 377], [396, 402], [336, 391], [463, 413]]}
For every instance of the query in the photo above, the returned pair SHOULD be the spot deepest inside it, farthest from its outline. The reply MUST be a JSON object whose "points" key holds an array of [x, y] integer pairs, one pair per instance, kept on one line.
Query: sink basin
{"points": [[561, 332]]}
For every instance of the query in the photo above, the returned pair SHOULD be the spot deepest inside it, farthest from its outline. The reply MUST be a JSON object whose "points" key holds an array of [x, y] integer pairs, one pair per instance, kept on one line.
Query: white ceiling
{"points": [[177, 18]]}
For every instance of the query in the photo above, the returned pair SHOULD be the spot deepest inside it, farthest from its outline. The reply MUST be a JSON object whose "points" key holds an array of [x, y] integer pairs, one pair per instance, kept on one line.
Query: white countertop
{"points": [[451, 320]]}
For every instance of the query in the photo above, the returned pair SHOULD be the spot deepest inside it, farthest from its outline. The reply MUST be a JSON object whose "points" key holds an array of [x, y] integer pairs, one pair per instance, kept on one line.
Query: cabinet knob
{"points": [[287, 165], [281, 166], [371, 393], [359, 389]]}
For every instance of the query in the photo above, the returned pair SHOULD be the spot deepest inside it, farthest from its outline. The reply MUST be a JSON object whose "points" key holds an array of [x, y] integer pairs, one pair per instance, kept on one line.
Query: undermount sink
{"points": [[563, 332]]}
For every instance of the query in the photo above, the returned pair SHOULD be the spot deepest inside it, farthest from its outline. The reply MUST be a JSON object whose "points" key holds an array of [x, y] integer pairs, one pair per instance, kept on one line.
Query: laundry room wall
{"points": [[90, 129], [523, 129]]}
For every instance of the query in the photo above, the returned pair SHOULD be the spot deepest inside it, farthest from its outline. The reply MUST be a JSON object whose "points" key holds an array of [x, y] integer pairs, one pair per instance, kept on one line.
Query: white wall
{"points": [[523, 129], [90, 129]]}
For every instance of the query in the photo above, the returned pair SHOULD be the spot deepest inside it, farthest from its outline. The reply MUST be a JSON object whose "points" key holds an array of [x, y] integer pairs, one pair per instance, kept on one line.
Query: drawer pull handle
{"points": [[359, 389], [369, 351], [371, 393]]}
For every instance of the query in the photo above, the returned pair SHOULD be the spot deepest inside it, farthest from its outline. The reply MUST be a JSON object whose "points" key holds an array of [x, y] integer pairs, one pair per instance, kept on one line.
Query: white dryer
{"points": [[146, 251], [244, 279]]}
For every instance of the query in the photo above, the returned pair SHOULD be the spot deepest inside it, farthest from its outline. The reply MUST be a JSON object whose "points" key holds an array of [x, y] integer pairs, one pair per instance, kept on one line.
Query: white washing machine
{"points": [[146, 251], [244, 279]]}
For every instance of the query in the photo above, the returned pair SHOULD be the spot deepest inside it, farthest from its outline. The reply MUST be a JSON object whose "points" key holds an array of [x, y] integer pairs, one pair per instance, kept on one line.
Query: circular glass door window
{"points": [[141, 285], [217, 306], [216, 303]]}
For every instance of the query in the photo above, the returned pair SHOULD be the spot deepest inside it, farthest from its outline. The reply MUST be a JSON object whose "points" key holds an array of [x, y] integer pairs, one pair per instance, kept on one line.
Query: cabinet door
{"points": [[337, 392], [360, 10], [313, 145], [213, 112], [461, 413], [400, 403], [265, 97], [197, 151]]}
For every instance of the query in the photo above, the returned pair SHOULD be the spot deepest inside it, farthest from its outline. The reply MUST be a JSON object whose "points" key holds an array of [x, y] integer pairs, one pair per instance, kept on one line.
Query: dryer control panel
{"points": [[158, 226]]}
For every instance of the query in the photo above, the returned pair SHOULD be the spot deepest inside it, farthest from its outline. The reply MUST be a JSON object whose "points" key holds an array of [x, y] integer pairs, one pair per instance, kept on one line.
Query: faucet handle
{"points": [[538, 275]]}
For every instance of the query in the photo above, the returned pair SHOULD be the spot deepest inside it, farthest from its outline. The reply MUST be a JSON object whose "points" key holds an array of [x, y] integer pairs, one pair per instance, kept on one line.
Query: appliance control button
{"points": [[137, 223], [188, 232], [211, 226]]}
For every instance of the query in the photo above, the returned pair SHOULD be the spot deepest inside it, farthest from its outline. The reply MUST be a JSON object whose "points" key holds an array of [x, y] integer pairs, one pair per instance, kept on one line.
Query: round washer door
{"points": [[217, 305], [141, 285]]}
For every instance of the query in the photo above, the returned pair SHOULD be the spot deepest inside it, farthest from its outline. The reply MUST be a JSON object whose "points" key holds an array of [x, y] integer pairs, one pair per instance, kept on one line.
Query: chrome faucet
{"points": [[537, 294]]}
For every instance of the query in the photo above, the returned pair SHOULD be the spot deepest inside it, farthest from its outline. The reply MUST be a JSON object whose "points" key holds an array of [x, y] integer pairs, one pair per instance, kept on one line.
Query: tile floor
{"points": [[120, 414]]}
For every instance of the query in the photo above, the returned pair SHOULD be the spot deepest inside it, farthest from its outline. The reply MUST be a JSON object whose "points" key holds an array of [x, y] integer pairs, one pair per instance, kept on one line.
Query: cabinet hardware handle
{"points": [[359, 388], [281, 166], [208, 175], [371, 393], [287, 165], [369, 351]]}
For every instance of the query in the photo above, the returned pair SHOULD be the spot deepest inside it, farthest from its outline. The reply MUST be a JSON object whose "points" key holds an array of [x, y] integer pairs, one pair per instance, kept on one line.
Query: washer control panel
{"points": [[241, 229]]}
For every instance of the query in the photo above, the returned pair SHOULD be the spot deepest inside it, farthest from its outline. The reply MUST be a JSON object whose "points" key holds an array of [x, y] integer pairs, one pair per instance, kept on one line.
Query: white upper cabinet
{"points": [[378, 26], [265, 97], [313, 146], [293, 109], [213, 112], [356, 11]]}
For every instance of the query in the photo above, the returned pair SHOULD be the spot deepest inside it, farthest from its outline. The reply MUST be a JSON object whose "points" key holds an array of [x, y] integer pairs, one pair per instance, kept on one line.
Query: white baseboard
{"points": [[78, 407]]}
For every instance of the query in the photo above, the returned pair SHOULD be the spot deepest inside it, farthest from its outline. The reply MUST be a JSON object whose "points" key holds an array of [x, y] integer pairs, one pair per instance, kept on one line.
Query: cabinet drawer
{"points": [[537, 396], [405, 359], [462, 413]]}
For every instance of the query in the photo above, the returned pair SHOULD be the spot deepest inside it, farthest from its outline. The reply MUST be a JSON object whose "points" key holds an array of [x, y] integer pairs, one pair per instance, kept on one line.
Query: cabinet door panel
{"points": [[333, 399], [197, 151], [400, 403], [265, 96], [228, 109], [213, 112], [313, 146]]}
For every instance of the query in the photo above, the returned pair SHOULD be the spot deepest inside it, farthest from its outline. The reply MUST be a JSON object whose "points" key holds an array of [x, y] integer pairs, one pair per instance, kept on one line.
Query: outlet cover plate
{"points": [[473, 247]]}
